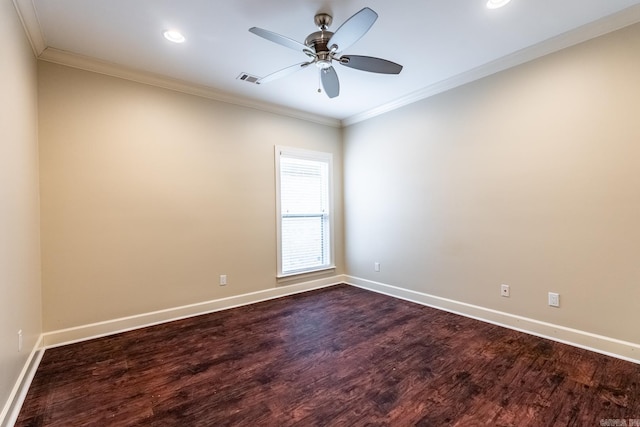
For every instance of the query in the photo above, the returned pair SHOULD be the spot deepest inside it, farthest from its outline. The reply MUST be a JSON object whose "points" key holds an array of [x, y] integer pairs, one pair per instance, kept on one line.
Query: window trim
{"points": [[308, 155]]}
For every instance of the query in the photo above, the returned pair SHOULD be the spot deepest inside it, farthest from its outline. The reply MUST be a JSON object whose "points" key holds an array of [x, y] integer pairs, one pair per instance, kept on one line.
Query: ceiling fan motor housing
{"points": [[318, 43]]}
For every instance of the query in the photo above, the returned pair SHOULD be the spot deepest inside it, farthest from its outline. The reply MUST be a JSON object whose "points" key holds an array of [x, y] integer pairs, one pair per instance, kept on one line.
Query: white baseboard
{"points": [[11, 409], [597, 343], [585, 340], [110, 327]]}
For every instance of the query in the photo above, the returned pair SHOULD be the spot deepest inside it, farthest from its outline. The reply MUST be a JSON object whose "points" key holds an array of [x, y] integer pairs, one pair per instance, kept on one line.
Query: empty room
{"points": [[320, 213]]}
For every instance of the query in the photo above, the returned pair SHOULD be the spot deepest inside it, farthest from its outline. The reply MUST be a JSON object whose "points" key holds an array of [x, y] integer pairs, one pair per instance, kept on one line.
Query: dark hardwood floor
{"points": [[339, 356]]}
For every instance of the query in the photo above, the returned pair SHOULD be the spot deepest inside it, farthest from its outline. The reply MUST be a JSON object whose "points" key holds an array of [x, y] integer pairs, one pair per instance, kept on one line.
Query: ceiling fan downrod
{"points": [[317, 42]]}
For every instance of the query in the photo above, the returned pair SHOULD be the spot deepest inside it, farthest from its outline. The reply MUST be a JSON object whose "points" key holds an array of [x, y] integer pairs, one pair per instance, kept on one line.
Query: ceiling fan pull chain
{"points": [[319, 82]]}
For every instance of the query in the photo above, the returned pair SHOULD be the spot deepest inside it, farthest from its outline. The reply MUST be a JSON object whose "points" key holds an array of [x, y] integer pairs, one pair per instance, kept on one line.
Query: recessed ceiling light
{"points": [[174, 36], [494, 4]]}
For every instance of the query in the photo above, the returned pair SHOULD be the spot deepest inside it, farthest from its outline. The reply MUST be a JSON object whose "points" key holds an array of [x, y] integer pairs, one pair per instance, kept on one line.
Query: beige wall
{"points": [[148, 195], [20, 304], [530, 177]]}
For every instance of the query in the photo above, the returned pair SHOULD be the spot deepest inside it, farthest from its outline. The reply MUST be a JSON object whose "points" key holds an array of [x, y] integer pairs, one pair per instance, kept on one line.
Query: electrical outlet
{"points": [[505, 291], [223, 280], [19, 340], [554, 299], [376, 266]]}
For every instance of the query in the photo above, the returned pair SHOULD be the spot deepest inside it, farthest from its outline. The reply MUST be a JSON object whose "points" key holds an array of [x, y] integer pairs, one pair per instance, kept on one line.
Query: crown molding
{"points": [[27, 13], [31, 23], [624, 18], [90, 64], [29, 19]]}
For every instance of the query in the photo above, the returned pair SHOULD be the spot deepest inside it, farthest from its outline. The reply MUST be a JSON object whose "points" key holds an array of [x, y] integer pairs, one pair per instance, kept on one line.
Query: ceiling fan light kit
{"points": [[323, 47]]}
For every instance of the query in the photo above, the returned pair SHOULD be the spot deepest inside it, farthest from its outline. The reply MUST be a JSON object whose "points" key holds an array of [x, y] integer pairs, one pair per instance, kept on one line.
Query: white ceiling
{"points": [[440, 43]]}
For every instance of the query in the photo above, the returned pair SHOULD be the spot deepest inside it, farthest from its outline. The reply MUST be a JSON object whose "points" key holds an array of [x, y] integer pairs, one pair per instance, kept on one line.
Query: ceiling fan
{"points": [[324, 47]]}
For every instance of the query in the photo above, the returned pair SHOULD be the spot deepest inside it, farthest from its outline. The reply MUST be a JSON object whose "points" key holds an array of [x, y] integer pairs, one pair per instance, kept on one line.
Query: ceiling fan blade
{"points": [[352, 29], [371, 64], [284, 72], [330, 82], [277, 38]]}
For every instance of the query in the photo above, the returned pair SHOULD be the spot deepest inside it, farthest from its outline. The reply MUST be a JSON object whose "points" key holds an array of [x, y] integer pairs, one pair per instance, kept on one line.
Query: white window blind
{"points": [[304, 214]]}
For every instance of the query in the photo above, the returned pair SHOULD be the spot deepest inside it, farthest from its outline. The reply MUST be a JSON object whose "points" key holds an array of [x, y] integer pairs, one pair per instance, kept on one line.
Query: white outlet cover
{"points": [[504, 290], [554, 299]]}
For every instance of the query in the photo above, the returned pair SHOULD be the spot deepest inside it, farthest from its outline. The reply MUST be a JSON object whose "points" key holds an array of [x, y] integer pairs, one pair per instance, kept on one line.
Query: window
{"points": [[303, 204]]}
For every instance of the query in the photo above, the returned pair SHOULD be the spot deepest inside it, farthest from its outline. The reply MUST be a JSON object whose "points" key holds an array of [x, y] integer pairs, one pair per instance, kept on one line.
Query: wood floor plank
{"points": [[340, 356]]}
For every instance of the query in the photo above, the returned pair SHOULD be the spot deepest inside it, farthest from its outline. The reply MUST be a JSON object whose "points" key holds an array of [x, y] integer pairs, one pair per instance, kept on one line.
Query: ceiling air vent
{"points": [[248, 78]]}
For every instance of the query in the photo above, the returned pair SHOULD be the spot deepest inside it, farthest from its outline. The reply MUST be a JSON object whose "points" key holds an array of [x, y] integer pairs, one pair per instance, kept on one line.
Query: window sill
{"points": [[308, 273]]}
